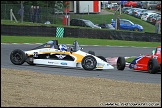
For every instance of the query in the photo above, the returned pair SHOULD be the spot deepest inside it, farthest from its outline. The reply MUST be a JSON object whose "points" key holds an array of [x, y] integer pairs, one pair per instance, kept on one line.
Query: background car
{"points": [[153, 16], [112, 5], [150, 5], [158, 19], [131, 10], [146, 15], [125, 8], [138, 12], [118, 2], [135, 11], [130, 3], [123, 2], [158, 6], [139, 4], [108, 26], [147, 11], [128, 25], [83, 23]]}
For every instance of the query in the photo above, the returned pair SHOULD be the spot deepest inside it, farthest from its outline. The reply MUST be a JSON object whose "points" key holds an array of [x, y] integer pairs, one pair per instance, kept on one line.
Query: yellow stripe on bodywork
{"points": [[67, 53], [77, 56]]}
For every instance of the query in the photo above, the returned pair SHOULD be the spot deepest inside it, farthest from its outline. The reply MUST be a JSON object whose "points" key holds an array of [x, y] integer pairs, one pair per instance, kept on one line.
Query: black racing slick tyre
{"points": [[29, 60], [89, 62], [153, 66], [91, 52], [121, 63], [17, 57]]}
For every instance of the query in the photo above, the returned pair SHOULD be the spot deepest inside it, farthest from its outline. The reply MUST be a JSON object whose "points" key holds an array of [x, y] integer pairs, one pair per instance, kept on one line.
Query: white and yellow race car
{"points": [[51, 54]]}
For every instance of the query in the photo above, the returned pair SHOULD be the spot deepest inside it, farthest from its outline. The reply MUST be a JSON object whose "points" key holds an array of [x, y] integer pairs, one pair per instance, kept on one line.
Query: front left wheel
{"points": [[17, 57]]}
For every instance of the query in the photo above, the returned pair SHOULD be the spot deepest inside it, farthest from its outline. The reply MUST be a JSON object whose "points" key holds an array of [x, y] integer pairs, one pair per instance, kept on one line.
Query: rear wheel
{"points": [[121, 63], [89, 62], [17, 57], [153, 66]]}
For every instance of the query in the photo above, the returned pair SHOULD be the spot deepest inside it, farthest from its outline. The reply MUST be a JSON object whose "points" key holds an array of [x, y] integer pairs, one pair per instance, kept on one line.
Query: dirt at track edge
{"points": [[33, 89]]}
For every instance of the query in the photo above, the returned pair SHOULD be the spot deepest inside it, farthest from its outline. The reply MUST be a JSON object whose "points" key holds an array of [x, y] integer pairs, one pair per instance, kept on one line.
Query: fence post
{"points": [[88, 9], [11, 14], [159, 29]]}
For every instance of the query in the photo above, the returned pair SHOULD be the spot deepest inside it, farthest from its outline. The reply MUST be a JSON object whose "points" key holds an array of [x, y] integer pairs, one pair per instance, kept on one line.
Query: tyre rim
{"points": [[17, 57], [150, 66], [89, 62]]}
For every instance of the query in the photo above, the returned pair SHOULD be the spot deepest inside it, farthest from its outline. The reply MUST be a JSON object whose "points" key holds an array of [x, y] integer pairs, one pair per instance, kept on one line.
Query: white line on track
{"points": [[80, 45]]}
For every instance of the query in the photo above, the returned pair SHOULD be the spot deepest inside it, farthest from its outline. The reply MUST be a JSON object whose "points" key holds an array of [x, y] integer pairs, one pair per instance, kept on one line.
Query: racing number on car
{"points": [[35, 54]]}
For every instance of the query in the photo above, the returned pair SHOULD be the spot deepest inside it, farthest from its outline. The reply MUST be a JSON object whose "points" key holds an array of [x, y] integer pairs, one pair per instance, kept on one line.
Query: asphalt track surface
{"points": [[106, 51]]}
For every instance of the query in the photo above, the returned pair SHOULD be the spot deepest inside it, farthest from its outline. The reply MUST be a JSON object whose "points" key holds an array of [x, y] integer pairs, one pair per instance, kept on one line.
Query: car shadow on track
{"points": [[144, 71]]}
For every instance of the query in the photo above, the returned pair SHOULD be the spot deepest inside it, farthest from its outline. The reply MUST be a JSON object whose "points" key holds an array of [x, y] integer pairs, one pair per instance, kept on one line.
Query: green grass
{"points": [[130, 59], [95, 18], [8, 22], [82, 41]]}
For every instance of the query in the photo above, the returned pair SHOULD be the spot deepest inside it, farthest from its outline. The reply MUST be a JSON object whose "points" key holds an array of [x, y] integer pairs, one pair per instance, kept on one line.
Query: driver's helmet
{"points": [[63, 47]]}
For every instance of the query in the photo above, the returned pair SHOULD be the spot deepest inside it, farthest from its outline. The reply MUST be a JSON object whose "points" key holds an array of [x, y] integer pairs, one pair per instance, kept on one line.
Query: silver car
{"points": [[149, 4]]}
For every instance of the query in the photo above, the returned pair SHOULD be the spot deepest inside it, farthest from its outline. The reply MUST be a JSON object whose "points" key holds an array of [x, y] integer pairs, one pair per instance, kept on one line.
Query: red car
{"points": [[158, 6], [130, 3], [149, 62]]}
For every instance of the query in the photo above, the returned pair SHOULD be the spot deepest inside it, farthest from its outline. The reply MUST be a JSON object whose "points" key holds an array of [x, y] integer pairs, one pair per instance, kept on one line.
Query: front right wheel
{"points": [[89, 62]]}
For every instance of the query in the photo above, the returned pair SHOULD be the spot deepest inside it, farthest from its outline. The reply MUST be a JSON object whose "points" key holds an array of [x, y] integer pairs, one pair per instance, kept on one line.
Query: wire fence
{"points": [[46, 13], [54, 15]]}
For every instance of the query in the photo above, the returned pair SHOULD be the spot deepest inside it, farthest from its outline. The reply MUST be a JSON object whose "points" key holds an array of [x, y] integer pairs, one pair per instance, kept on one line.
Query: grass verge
{"points": [[82, 41]]}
